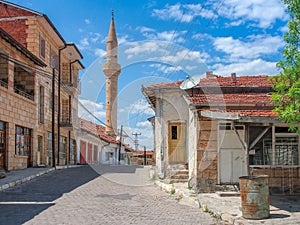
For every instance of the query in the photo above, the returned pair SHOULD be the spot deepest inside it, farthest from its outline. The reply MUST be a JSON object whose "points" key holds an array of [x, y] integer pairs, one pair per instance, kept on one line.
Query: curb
{"points": [[23, 180], [170, 188]]}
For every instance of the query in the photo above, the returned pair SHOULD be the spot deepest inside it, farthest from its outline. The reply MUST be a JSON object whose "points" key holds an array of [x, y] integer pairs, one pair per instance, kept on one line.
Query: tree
{"points": [[287, 84]]}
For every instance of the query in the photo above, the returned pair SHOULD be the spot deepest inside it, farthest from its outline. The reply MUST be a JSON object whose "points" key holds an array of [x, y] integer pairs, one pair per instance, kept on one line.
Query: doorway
{"points": [[2, 145], [232, 155], [176, 142]]}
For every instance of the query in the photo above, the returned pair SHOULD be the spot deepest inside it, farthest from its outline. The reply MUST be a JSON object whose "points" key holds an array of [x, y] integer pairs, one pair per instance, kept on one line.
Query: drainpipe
{"points": [[58, 100]]}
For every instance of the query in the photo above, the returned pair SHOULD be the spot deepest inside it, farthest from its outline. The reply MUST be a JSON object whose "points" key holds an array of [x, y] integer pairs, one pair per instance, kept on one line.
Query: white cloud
{"points": [[143, 29], [166, 68], [83, 44], [263, 13], [188, 55], [95, 37], [255, 67], [138, 48], [95, 108], [168, 54], [145, 124], [171, 35], [100, 52], [284, 29], [122, 39], [138, 107], [182, 12], [87, 21], [255, 46]]}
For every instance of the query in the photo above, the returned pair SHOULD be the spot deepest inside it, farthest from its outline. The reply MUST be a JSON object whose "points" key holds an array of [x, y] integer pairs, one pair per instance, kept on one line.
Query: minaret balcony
{"points": [[111, 69]]}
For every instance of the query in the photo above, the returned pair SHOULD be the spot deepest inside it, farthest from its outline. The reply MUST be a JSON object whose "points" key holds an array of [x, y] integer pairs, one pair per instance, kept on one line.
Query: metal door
{"points": [[232, 156]]}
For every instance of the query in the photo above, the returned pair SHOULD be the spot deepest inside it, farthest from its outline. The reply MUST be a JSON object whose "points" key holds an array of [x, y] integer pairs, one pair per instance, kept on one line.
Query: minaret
{"points": [[111, 69]]}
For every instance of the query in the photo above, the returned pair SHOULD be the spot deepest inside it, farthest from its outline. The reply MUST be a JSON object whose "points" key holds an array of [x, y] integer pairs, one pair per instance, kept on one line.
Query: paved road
{"points": [[82, 196]]}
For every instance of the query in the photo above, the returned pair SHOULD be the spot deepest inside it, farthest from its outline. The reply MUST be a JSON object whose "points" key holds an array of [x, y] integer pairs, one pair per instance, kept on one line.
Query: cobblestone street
{"points": [[82, 196]]}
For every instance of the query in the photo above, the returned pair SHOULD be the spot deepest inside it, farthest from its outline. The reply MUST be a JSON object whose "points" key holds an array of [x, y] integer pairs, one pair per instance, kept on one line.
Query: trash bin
{"points": [[255, 196]]}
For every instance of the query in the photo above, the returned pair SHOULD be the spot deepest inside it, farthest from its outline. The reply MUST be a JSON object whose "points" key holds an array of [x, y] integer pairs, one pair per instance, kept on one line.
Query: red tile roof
{"points": [[243, 81], [261, 99], [97, 130], [141, 152]]}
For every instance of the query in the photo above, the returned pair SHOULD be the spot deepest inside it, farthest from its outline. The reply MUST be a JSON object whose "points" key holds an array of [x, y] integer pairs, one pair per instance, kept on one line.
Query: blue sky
{"points": [[163, 41]]}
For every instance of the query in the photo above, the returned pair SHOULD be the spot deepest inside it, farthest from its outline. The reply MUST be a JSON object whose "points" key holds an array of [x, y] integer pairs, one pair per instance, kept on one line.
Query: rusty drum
{"points": [[255, 196]]}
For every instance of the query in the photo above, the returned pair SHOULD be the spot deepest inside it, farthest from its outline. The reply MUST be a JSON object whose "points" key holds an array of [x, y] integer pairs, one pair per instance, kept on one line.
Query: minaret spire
{"points": [[111, 69]]}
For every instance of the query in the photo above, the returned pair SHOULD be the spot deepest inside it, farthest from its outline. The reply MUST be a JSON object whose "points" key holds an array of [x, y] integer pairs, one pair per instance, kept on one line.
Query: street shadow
{"points": [[23, 202], [106, 169], [278, 216], [289, 203]]}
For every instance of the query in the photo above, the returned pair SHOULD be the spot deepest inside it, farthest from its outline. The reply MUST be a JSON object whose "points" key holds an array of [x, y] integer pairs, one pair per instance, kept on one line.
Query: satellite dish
{"points": [[190, 82]]}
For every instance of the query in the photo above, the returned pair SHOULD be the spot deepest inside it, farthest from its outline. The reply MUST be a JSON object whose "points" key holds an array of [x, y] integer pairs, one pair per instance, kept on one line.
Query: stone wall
{"points": [[207, 159]]}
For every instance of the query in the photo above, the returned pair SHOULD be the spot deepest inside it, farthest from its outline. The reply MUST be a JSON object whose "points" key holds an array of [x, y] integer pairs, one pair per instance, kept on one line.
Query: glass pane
{"points": [[174, 132]]}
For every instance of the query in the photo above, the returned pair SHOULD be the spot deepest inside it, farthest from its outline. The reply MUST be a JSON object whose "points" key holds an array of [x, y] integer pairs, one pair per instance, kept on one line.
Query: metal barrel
{"points": [[255, 196]]}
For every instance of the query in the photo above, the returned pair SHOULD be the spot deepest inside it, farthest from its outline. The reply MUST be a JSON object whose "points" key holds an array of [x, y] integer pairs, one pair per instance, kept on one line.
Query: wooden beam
{"points": [[257, 139], [220, 115], [245, 147]]}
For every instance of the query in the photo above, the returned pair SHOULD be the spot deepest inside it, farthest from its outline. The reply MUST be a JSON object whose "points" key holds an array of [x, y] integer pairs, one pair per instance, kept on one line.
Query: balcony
{"points": [[20, 90], [66, 122], [3, 83], [71, 86]]}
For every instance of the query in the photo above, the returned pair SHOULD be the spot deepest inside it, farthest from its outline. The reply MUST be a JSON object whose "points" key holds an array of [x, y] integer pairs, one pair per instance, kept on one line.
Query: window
{"points": [[23, 141], [72, 150], [95, 157], [174, 132], [50, 100], [42, 47], [285, 152], [53, 59], [62, 147], [40, 143], [41, 104], [49, 145]]}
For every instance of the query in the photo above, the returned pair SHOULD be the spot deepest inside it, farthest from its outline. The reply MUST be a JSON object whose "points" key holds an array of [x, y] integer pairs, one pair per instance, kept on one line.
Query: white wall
{"points": [[170, 107]]}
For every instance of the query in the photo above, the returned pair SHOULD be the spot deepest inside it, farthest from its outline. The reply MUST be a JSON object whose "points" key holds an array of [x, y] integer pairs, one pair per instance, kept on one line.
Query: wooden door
{"points": [[2, 149], [176, 143], [82, 152]]}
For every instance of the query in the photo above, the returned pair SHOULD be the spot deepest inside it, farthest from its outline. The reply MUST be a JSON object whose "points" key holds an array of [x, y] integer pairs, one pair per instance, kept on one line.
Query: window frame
{"points": [[42, 47], [23, 141]]}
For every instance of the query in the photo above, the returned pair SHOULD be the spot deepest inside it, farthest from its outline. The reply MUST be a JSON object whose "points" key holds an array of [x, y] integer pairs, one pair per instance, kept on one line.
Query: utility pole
{"points": [[145, 156], [120, 144], [53, 114], [136, 141]]}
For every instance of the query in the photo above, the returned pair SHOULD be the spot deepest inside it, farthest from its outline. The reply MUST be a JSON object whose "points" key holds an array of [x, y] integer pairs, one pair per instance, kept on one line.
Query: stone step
{"points": [[178, 180], [180, 176], [228, 194]]}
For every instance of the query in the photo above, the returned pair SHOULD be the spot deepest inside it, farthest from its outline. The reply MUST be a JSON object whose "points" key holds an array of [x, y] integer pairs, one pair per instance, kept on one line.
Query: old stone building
{"points": [[53, 108], [220, 129], [97, 146]]}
